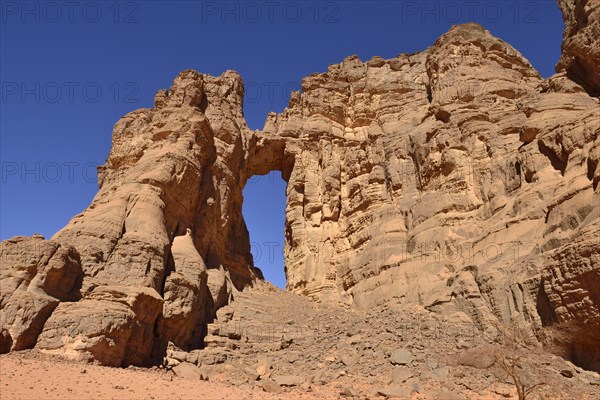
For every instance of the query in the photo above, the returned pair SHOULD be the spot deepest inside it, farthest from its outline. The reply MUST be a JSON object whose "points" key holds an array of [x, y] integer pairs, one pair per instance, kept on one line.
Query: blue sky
{"points": [[70, 70]]}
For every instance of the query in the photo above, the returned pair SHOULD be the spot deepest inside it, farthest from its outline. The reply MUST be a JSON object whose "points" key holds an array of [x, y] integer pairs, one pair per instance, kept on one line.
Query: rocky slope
{"points": [[283, 343], [270, 343], [455, 180]]}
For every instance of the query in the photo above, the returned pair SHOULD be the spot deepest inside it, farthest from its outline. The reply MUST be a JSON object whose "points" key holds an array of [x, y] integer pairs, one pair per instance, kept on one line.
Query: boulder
{"points": [[113, 325], [395, 392], [270, 386], [401, 357], [187, 370], [35, 275]]}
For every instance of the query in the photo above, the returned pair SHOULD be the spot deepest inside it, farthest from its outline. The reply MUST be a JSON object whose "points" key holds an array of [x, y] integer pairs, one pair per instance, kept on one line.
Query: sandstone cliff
{"points": [[581, 49], [455, 179]]}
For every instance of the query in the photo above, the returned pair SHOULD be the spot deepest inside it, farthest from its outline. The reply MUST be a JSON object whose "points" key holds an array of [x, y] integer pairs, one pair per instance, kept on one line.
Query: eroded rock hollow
{"points": [[456, 179]]}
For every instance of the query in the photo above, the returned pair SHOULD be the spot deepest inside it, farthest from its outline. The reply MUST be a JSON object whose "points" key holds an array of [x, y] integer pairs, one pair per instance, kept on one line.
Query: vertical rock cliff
{"points": [[580, 49]]}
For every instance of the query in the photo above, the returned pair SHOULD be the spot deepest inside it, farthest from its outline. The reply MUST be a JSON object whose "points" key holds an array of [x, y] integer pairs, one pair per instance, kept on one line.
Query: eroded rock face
{"points": [[455, 179], [167, 214], [113, 325], [185, 295], [581, 49], [444, 178], [35, 275], [170, 169], [166, 224]]}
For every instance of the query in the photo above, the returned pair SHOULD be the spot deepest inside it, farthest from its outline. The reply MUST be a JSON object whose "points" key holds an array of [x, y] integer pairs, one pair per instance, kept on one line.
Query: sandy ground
{"points": [[31, 376]]}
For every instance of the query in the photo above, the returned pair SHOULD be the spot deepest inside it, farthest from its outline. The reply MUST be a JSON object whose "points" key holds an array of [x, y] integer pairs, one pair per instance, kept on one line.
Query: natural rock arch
{"points": [[398, 184]]}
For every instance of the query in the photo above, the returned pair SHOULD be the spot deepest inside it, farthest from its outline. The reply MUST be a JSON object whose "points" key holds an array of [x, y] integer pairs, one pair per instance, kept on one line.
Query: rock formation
{"points": [[581, 49], [163, 242], [35, 276], [456, 179]]}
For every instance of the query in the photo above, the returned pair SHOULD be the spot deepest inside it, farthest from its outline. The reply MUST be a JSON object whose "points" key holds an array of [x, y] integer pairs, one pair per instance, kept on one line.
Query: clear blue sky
{"points": [[70, 70]]}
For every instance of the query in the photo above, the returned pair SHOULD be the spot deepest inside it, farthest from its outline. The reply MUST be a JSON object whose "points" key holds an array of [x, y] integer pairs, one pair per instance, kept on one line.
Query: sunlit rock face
{"points": [[163, 244], [453, 178], [456, 179], [580, 57]]}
